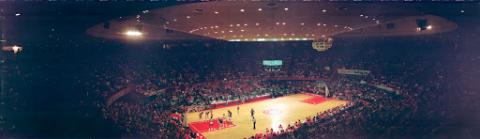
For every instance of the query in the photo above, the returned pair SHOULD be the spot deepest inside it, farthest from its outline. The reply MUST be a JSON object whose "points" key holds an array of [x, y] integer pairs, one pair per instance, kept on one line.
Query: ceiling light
{"points": [[242, 10], [259, 9], [133, 33], [429, 27], [215, 12], [286, 9]]}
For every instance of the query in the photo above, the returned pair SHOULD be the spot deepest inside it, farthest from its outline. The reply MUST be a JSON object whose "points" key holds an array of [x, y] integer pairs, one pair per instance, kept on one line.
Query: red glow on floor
{"points": [[204, 126], [315, 100]]}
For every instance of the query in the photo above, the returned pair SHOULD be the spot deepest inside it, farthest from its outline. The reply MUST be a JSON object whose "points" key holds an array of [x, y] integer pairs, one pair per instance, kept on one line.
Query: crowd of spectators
{"points": [[166, 81]]}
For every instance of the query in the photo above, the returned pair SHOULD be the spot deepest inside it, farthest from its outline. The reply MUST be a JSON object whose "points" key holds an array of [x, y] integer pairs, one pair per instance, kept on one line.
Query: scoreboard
{"points": [[272, 63]]}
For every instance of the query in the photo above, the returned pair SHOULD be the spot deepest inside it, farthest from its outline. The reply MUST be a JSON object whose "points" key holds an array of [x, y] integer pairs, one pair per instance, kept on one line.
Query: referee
{"points": [[254, 123]]}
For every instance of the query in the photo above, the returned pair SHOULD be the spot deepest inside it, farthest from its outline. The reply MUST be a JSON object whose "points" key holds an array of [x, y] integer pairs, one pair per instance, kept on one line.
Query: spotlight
{"points": [[133, 33]]}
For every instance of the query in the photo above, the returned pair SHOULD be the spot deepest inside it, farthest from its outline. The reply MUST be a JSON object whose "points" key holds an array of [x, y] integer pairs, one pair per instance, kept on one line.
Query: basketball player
{"points": [[229, 115], [220, 122], [211, 115], [252, 113], [238, 109], [223, 120], [210, 125], [200, 115], [254, 122]]}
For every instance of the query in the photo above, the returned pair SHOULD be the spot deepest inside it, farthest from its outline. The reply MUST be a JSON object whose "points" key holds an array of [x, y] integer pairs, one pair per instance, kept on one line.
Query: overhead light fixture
{"points": [[16, 49], [429, 27], [133, 33]]}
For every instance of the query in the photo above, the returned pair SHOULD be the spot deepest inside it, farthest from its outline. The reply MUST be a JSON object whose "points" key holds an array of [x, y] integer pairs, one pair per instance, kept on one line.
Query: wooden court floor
{"points": [[268, 114]]}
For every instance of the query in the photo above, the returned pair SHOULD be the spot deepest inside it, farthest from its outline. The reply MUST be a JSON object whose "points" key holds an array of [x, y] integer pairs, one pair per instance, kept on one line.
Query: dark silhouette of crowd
{"points": [[144, 88], [164, 81]]}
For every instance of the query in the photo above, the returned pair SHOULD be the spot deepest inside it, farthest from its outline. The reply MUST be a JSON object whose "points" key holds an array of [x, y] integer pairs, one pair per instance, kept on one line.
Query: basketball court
{"points": [[269, 113]]}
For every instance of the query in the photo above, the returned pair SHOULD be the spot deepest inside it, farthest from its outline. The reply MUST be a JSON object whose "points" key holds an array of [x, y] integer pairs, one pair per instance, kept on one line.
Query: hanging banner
{"points": [[353, 72]]}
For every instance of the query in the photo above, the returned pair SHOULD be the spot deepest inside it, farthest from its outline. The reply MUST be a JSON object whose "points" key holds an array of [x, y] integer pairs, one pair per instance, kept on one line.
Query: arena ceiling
{"points": [[271, 21]]}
